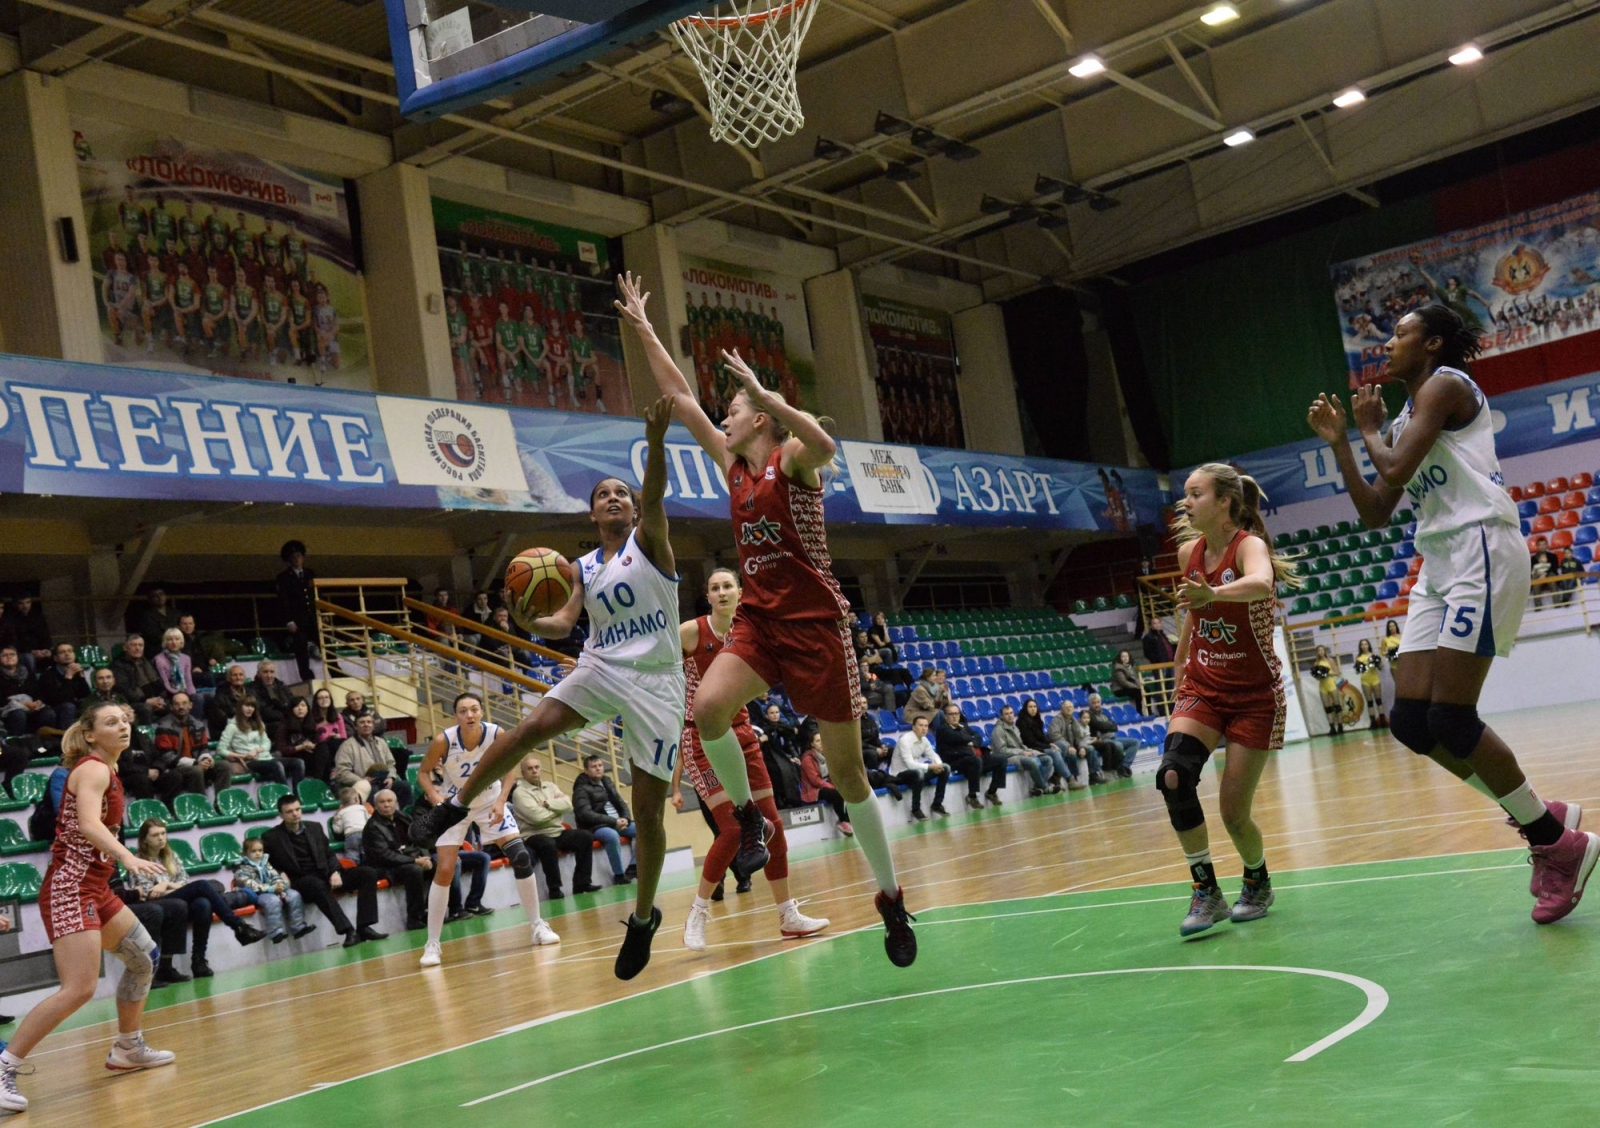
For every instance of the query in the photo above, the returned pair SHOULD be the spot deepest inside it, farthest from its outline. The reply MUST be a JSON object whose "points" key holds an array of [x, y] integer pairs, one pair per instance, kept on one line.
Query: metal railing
{"points": [[372, 643]]}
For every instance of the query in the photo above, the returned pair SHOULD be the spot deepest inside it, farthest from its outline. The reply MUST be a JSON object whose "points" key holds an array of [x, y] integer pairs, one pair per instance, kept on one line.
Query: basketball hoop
{"points": [[748, 61]]}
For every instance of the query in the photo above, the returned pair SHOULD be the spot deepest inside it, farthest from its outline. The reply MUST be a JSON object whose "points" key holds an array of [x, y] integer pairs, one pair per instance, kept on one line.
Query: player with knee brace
{"points": [[82, 917], [1468, 602], [1228, 684]]}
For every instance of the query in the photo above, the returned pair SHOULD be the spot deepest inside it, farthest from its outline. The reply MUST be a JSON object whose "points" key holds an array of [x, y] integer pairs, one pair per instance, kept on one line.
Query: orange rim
{"points": [[745, 21]]}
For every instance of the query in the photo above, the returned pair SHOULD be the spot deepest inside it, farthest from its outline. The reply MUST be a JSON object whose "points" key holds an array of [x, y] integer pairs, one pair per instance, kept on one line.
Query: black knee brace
{"points": [[1408, 721], [1184, 756], [516, 852], [1456, 728]]}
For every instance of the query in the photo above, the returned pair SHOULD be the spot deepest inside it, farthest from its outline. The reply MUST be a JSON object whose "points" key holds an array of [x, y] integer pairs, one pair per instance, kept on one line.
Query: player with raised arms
{"points": [[793, 624], [703, 639], [1227, 684], [1468, 602], [445, 767], [630, 666]]}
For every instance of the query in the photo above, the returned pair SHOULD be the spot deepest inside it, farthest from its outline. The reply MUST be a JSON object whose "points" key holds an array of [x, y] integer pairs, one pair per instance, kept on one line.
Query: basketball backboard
{"points": [[451, 54]]}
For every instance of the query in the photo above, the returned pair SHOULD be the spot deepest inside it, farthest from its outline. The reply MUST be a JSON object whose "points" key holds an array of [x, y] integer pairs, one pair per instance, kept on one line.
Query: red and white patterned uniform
{"points": [[701, 776], [793, 622], [76, 894], [1232, 681]]}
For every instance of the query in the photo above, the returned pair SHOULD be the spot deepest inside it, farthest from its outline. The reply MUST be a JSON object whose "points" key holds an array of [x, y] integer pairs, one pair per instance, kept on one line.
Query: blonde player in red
{"points": [[1228, 684], [793, 624], [81, 916], [702, 641]]}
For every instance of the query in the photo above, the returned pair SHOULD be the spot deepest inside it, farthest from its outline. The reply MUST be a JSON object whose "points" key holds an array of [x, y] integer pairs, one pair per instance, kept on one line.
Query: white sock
{"points": [[1202, 858], [701, 903], [867, 820], [528, 894], [1257, 864], [791, 905], [11, 1059], [727, 760], [1476, 783], [1523, 805], [438, 906], [129, 1039]]}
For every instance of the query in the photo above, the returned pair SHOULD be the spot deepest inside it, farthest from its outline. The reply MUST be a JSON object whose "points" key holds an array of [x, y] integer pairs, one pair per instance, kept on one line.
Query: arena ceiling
{"points": [[954, 136]]}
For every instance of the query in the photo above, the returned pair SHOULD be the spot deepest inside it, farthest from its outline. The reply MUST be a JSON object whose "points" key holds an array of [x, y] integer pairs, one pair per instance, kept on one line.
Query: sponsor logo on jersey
{"points": [[1228, 576], [455, 444], [749, 501], [771, 474], [764, 531], [1218, 632]]}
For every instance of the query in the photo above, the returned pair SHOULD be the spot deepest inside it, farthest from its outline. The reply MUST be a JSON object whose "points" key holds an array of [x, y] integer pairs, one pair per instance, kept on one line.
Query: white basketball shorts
{"points": [[650, 703], [1471, 592], [489, 829]]}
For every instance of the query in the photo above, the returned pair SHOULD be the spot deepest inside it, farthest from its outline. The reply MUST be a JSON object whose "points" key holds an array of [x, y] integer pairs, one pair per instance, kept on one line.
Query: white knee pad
{"points": [[138, 954]]}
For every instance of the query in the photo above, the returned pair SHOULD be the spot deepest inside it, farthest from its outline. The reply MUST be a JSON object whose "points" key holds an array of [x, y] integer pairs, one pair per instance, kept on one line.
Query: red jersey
{"points": [[1230, 644], [783, 548], [73, 855], [694, 667]]}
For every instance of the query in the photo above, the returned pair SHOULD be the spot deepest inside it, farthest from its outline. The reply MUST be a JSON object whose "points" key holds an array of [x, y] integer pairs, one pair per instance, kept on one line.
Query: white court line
{"points": [[1377, 1002]]}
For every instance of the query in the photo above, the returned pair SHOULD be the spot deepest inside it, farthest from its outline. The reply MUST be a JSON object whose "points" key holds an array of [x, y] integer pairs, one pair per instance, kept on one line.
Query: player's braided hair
{"points": [[1462, 344], [1244, 498]]}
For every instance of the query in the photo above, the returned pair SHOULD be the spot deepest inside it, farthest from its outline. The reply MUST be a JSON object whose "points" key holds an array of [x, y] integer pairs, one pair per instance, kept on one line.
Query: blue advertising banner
{"points": [[98, 431], [1525, 422]]}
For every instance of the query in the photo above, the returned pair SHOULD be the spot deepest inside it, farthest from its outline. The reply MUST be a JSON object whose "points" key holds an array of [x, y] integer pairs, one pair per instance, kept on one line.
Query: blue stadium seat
{"points": [[1528, 509], [1389, 589], [1584, 534], [1584, 553], [1593, 497], [991, 684], [1395, 571], [1405, 550], [1014, 700], [1590, 514]]}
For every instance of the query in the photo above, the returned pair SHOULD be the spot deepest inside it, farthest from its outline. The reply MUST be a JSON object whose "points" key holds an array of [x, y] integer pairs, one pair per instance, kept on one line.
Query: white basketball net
{"points": [[747, 60]]}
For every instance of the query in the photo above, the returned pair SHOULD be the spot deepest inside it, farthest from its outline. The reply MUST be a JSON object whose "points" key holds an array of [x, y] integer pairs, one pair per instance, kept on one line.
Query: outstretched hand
{"points": [[1369, 409], [657, 418], [633, 301], [760, 397], [1327, 418], [1194, 595]]}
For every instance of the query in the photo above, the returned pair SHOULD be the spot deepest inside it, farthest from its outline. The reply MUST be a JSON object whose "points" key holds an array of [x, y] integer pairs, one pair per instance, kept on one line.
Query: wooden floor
{"points": [[326, 1019]]}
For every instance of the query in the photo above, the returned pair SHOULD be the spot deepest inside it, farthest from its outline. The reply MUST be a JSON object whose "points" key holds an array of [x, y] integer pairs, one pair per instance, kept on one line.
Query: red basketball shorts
{"points": [[814, 659], [701, 775], [1256, 722], [67, 905]]}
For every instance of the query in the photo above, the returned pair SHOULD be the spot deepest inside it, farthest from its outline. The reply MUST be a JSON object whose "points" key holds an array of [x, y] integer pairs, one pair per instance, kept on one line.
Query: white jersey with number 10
{"points": [[632, 607]]}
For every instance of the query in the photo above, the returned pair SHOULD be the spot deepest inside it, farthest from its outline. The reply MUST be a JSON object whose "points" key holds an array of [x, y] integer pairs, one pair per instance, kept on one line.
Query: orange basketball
{"points": [[538, 582]]}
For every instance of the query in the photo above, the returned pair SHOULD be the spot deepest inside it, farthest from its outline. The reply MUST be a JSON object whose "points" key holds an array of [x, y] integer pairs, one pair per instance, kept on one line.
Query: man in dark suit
{"points": [[297, 601], [299, 850]]}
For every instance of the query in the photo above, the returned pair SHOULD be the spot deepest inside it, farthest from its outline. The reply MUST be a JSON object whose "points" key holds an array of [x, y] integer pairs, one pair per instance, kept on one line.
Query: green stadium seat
{"points": [[1311, 584], [18, 803], [1344, 528], [1322, 532], [1401, 517], [1373, 575], [267, 797], [14, 840], [1322, 602], [1123, 601], [1302, 606], [1383, 554], [221, 847], [1341, 561], [1079, 607], [1301, 536], [20, 881], [1366, 593], [1282, 540], [1394, 534], [142, 809], [315, 795], [1319, 567], [1101, 603], [236, 802], [1350, 543], [1361, 557], [1343, 598], [30, 787], [1372, 538], [190, 860]]}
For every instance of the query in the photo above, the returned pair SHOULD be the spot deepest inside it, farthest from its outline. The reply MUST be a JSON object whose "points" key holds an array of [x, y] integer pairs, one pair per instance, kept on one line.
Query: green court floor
{"points": [[1414, 993]]}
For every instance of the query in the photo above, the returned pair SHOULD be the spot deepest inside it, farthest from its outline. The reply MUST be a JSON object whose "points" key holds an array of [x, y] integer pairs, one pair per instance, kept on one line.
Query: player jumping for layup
{"points": [[1473, 588], [793, 623], [630, 667]]}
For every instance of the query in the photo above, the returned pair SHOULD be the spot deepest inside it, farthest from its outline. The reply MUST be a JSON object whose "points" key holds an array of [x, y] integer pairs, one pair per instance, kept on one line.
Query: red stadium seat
{"points": [[1562, 538], [1406, 585], [1543, 524], [1515, 492], [1551, 504], [1573, 500], [1415, 566], [1378, 609], [1582, 481], [1556, 485], [1569, 519], [1533, 489]]}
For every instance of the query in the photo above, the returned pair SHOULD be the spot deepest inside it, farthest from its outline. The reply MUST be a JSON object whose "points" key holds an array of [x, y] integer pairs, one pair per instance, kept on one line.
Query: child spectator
{"points": [[349, 821], [269, 891]]}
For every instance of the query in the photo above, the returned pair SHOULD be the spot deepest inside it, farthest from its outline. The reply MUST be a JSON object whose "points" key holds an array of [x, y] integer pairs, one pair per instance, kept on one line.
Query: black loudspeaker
{"points": [[67, 237]]}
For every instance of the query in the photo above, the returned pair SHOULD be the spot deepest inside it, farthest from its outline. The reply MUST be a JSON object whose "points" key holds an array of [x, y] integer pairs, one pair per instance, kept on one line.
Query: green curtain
{"points": [[1238, 347]]}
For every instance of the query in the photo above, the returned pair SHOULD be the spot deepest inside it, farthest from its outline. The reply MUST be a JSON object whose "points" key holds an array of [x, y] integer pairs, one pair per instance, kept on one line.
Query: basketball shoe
{"points": [[1206, 908], [694, 928], [898, 939], [11, 1098], [543, 934], [635, 952], [1560, 872], [1255, 898], [754, 830], [130, 1052], [1569, 815], [428, 824], [795, 925], [432, 954]]}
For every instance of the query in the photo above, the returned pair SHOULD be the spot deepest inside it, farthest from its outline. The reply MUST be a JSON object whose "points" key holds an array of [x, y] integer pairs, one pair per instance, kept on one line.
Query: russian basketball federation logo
{"points": [[455, 444]]}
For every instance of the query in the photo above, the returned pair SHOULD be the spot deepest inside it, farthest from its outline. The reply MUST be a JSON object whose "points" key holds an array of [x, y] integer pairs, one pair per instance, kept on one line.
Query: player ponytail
{"points": [[75, 746], [1461, 342], [1244, 497]]}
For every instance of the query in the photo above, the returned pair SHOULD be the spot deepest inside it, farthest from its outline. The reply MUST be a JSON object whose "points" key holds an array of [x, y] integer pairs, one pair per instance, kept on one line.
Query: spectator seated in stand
{"points": [[349, 823], [247, 746], [913, 761], [139, 681], [1543, 563], [878, 636], [599, 809], [297, 740], [203, 651], [269, 892], [299, 850], [1103, 732], [224, 703], [879, 693], [181, 758], [31, 634], [928, 697], [366, 763], [203, 897], [816, 786], [539, 807], [873, 753], [960, 746], [868, 657], [273, 698], [1125, 681], [21, 708], [167, 921], [385, 846], [1030, 726], [1007, 742], [332, 732], [780, 750], [357, 706], [103, 688], [62, 684]]}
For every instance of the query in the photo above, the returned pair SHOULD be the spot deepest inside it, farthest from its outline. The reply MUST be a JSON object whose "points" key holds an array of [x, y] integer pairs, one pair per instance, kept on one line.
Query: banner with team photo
{"points": [[528, 309], [1522, 281], [914, 347], [208, 261], [760, 315]]}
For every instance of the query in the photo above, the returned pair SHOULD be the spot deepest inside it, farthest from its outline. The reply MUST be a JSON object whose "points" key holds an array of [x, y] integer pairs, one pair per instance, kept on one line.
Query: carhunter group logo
{"points": [[455, 444]]}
